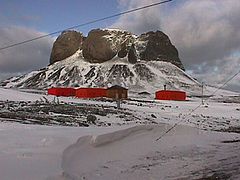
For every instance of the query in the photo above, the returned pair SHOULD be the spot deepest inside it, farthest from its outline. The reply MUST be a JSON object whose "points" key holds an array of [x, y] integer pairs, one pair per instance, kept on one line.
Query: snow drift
{"points": [[134, 153]]}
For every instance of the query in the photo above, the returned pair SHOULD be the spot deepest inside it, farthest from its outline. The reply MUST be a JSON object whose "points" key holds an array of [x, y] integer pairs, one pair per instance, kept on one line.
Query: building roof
{"points": [[117, 87]]}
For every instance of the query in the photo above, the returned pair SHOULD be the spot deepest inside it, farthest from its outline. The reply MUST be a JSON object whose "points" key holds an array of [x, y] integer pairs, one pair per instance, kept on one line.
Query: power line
{"points": [[225, 83], [177, 123], [183, 119], [87, 23]]}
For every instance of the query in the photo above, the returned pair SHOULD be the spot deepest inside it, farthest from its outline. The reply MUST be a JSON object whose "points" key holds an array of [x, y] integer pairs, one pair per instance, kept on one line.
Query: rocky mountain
{"points": [[66, 45], [108, 57], [159, 48], [102, 45], [147, 76]]}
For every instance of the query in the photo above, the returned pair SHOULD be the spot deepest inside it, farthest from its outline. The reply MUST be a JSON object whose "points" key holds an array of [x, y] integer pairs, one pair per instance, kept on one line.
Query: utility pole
{"points": [[118, 103], [118, 100], [202, 93]]}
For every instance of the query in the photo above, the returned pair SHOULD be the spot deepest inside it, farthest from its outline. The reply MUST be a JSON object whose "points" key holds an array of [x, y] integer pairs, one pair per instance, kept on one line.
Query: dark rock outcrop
{"points": [[144, 73], [159, 48], [132, 55], [66, 45], [97, 47], [102, 45], [124, 50], [91, 119]]}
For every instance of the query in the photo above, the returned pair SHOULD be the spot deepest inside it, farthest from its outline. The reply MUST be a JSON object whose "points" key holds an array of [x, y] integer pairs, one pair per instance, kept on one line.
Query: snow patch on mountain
{"points": [[75, 71]]}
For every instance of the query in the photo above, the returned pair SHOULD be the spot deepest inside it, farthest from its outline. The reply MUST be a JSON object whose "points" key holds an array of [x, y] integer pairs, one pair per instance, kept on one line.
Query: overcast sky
{"points": [[206, 32]]}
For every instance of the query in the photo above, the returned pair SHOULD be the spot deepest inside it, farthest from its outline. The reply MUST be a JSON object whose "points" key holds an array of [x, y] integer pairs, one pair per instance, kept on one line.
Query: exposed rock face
{"points": [[124, 50], [66, 45], [159, 48], [144, 72], [132, 55], [103, 45]]}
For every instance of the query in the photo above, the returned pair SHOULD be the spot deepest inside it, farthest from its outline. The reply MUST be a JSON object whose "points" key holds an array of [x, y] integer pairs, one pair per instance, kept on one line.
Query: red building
{"points": [[91, 92], [61, 91], [170, 95]]}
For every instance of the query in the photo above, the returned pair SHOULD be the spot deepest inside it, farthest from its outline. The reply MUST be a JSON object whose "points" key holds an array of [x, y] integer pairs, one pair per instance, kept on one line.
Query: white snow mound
{"points": [[134, 153]]}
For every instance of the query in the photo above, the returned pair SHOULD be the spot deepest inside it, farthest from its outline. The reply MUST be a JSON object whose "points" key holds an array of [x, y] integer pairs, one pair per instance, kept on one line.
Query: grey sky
{"points": [[23, 58], [205, 32]]}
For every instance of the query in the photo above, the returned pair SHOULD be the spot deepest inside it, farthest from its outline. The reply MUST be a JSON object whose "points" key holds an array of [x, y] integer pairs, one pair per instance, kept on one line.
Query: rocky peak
{"points": [[132, 55], [102, 45], [123, 50], [159, 48], [66, 45]]}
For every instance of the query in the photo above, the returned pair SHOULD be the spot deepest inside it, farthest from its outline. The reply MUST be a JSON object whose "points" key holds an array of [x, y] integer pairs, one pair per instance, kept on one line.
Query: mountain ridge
{"points": [[75, 71], [102, 45]]}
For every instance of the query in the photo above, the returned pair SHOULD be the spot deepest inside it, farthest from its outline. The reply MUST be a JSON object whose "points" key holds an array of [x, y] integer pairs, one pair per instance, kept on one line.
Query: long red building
{"points": [[114, 92], [62, 91], [90, 92]]}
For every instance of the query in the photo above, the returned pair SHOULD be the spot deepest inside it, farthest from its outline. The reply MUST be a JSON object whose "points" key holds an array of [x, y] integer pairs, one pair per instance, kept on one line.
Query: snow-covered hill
{"points": [[75, 71]]}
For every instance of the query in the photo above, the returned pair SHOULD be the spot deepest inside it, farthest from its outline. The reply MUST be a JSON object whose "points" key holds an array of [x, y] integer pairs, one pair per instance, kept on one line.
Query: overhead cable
{"points": [[86, 23], [183, 119]]}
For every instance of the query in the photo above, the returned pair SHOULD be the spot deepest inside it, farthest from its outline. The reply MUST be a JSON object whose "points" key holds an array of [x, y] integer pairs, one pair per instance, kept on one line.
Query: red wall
{"points": [[91, 92], [62, 91], [171, 95]]}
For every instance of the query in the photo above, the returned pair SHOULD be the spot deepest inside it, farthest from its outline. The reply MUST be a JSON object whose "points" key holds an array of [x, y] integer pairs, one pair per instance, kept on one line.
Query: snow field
{"points": [[40, 152], [133, 154]]}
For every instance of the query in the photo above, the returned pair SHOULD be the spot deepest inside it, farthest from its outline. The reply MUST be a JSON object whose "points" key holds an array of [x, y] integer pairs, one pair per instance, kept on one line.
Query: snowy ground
{"points": [[185, 153], [191, 151], [32, 152]]}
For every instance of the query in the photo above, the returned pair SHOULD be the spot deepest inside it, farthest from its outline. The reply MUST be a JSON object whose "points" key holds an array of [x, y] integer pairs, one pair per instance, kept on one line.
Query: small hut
{"points": [[117, 92], [171, 95]]}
